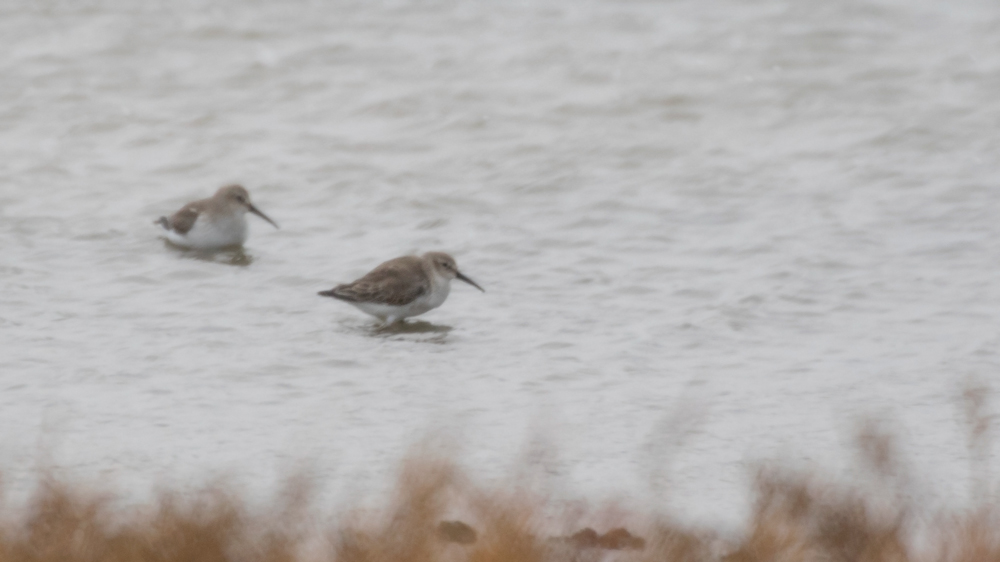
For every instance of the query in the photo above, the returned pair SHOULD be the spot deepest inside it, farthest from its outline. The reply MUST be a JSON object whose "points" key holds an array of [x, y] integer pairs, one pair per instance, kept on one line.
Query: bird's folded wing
{"points": [[182, 221], [391, 284]]}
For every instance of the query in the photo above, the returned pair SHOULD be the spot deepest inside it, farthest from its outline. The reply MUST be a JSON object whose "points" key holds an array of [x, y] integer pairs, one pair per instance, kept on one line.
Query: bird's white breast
{"points": [[440, 288]]}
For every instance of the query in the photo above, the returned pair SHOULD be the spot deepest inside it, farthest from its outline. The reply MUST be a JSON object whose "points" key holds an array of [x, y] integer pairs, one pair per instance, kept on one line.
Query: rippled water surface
{"points": [[756, 221]]}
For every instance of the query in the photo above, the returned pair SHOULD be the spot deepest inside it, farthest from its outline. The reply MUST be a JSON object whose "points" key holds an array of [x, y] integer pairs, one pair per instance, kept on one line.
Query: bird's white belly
{"points": [[419, 305], [210, 234]]}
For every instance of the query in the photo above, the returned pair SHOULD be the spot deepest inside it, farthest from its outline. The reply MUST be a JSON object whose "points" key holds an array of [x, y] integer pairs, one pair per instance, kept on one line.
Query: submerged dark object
{"points": [[456, 531], [615, 539]]}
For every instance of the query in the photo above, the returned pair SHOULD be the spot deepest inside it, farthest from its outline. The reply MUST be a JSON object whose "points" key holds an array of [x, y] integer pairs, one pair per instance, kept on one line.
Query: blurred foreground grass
{"points": [[796, 517]]}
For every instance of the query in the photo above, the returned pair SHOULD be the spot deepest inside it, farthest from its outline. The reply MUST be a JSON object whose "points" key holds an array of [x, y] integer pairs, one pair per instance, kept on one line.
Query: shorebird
{"points": [[213, 223], [402, 287]]}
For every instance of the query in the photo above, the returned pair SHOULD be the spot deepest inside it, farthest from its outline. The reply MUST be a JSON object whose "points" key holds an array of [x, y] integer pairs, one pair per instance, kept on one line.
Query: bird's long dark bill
{"points": [[257, 212], [469, 281]]}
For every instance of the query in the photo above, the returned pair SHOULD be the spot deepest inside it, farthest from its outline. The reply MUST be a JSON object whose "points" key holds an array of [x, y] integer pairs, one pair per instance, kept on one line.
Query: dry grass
{"points": [[796, 518], [437, 514]]}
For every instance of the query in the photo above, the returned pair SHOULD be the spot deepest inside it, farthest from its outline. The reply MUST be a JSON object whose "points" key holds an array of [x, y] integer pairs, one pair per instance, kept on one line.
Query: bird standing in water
{"points": [[402, 287], [213, 223]]}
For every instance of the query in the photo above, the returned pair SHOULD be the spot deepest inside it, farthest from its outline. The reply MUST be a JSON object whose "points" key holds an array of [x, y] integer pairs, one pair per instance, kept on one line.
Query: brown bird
{"points": [[402, 287], [213, 223]]}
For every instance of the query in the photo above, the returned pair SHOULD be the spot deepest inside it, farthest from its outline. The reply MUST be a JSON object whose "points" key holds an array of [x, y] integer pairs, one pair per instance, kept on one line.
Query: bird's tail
{"points": [[162, 221], [337, 294]]}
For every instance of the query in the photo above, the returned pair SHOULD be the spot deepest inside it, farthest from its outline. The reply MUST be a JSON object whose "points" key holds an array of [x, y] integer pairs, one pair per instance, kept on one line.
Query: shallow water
{"points": [[754, 223]]}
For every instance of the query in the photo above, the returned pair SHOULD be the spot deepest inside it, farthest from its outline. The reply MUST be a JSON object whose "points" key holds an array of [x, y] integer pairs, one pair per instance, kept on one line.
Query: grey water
{"points": [[712, 234]]}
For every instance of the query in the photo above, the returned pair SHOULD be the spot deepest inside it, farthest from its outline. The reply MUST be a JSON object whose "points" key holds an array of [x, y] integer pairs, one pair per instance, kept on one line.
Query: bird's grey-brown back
{"points": [[182, 221], [396, 282]]}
